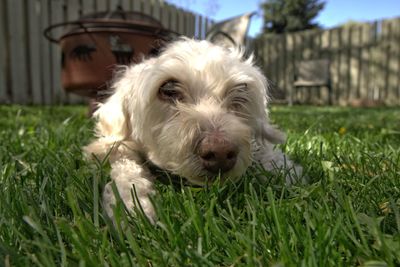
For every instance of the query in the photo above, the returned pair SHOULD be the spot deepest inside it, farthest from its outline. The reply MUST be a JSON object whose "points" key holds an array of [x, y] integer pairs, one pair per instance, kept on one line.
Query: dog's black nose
{"points": [[217, 154]]}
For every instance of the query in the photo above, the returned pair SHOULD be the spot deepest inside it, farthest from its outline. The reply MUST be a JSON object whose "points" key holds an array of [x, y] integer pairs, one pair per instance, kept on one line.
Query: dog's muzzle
{"points": [[217, 154]]}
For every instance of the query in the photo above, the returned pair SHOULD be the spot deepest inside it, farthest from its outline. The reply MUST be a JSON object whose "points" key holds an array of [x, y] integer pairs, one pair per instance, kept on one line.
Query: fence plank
{"points": [[209, 24], [364, 60], [318, 96], [396, 69], [290, 65], [56, 16], [375, 82], [34, 64], [286, 79], [155, 10], [386, 34], [268, 66], [17, 35], [4, 52], [299, 94], [45, 54], [202, 27], [345, 61], [259, 51], [101, 5], [126, 5], [190, 24], [73, 10], [308, 55], [388, 30], [342, 91], [280, 66], [173, 18], [335, 57], [137, 5], [197, 26], [181, 22], [274, 67], [113, 5], [146, 7], [88, 6], [293, 63], [164, 15], [347, 94], [357, 60]]}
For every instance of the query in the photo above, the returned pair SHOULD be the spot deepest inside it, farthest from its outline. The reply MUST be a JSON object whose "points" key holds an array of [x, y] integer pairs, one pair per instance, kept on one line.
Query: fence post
{"points": [[4, 56]]}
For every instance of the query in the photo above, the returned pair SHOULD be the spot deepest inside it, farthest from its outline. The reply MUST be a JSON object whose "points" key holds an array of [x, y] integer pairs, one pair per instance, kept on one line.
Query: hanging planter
{"points": [[95, 44]]}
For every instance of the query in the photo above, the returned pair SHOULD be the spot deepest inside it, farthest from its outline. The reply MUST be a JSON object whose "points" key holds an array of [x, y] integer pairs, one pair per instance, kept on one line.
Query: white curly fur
{"points": [[136, 127]]}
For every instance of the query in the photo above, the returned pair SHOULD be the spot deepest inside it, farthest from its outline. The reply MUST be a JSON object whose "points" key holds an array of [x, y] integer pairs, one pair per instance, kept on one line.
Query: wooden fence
{"points": [[365, 61], [30, 64]]}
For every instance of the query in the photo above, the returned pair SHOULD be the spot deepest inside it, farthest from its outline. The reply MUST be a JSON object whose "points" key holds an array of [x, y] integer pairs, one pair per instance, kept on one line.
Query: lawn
{"points": [[347, 215]]}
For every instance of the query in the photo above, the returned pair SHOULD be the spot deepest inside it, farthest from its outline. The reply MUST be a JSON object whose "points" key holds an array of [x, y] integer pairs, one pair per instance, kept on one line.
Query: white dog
{"points": [[198, 111]]}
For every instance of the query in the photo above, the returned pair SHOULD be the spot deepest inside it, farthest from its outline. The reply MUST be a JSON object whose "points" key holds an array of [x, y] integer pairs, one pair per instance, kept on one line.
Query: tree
{"points": [[290, 15]]}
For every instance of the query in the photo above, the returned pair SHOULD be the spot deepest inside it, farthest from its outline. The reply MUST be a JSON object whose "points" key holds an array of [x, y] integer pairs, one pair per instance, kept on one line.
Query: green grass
{"points": [[348, 215]]}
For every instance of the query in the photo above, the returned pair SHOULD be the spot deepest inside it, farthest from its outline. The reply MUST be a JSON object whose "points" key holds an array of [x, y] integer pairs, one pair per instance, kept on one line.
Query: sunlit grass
{"points": [[348, 215]]}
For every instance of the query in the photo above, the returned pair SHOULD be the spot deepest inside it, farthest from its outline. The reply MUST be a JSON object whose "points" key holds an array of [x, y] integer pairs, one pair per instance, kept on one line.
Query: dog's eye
{"points": [[170, 91], [239, 100], [239, 96], [238, 103]]}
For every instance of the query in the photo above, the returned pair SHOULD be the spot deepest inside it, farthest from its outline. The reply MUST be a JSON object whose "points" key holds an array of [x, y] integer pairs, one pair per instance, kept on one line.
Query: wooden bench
{"points": [[312, 73]]}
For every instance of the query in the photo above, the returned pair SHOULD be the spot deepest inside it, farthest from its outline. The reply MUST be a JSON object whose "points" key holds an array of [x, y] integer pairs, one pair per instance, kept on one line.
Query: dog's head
{"points": [[194, 111]]}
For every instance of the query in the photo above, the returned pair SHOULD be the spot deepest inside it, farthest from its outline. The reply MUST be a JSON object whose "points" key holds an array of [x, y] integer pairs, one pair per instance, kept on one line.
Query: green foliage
{"points": [[290, 15], [347, 215]]}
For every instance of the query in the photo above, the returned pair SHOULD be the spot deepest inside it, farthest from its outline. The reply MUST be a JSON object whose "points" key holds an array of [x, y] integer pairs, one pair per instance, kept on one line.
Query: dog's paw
{"points": [[295, 174], [109, 202]]}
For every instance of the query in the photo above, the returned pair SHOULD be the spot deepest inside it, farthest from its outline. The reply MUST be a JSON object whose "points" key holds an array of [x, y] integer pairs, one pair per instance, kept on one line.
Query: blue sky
{"points": [[336, 12]]}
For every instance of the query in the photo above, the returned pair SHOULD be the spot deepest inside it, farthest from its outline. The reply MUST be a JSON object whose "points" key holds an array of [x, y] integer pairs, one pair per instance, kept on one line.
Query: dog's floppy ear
{"points": [[265, 131], [112, 119], [271, 134], [112, 126]]}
